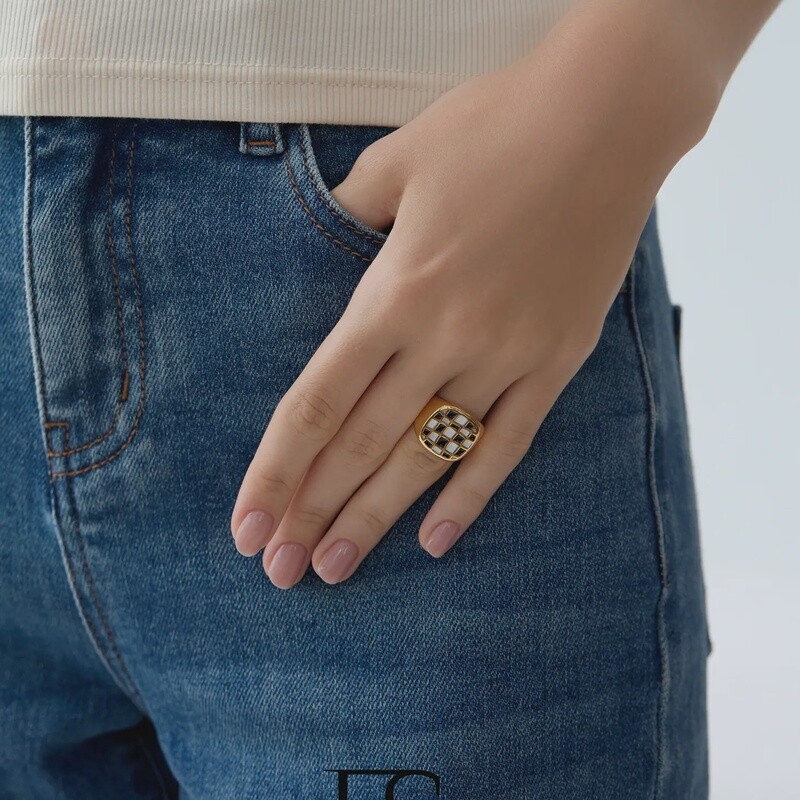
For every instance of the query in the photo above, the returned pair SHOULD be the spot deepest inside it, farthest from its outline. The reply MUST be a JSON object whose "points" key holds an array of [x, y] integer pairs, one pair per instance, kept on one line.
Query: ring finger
{"points": [[407, 472]]}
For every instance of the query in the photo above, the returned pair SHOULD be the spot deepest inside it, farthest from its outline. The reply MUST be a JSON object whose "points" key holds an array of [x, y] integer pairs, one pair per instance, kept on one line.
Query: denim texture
{"points": [[162, 285]]}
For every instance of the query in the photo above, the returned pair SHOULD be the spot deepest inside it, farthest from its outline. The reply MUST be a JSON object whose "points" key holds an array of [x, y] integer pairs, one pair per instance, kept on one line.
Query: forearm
{"points": [[645, 76], [728, 27]]}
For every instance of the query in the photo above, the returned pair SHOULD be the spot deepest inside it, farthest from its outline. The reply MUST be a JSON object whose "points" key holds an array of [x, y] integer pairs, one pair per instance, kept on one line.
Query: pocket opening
{"points": [[314, 171]]}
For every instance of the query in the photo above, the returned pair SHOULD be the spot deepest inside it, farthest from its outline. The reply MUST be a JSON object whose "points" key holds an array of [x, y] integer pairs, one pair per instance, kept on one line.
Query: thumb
{"points": [[372, 189]]}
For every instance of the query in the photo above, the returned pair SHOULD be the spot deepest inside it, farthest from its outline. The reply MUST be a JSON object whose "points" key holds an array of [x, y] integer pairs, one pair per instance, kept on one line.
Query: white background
{"points": [[729, 218]]}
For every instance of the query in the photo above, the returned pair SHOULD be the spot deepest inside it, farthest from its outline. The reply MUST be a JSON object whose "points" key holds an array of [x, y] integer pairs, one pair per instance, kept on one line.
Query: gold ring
{"points": [[447, 430]]}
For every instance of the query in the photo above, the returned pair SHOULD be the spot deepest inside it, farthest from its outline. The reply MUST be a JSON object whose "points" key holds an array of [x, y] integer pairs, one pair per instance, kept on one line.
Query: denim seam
{"points": [[41, 395], [112, 250], [663, 695], [30, 289], [311, 216], [94, 634], [122, 674], [140, 325], [305, 145]]}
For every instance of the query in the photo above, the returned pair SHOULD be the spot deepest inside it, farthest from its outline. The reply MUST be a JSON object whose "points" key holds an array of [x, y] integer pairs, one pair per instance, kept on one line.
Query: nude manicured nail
{"points": [[288, 564], [253, 532], [442, 537], [337, 562]]}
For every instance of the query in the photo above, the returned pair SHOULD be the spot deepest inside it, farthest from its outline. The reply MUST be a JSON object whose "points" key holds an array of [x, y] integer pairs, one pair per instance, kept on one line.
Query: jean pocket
{"points": [[319, 157], [85, 294]]}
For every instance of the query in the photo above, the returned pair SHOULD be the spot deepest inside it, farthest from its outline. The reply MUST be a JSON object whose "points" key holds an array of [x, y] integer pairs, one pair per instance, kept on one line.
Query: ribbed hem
{"points": [[335, 61], [88, 88]]}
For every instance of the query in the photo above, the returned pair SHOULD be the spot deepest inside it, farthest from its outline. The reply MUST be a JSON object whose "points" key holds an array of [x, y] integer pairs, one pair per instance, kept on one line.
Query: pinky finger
{"points": [[510, 426]]}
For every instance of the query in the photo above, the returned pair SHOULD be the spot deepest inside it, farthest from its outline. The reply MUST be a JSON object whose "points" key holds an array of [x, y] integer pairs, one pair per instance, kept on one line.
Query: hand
{"points": [[516, 202]]}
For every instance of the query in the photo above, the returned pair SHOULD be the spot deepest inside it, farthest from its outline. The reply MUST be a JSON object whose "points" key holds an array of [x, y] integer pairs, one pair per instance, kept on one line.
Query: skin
{"points": [[526, 189]]}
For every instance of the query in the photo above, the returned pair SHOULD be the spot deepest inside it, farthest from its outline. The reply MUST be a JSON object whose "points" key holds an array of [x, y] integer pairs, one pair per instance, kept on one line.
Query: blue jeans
{"points": [[162, 284]]}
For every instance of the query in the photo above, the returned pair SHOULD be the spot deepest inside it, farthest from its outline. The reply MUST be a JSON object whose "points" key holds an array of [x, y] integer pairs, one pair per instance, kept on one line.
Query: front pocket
{"points": [[85, 304], [317, 158]]}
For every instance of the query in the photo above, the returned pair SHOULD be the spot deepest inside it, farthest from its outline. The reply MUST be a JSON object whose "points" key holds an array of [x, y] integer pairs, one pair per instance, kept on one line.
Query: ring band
{"points": [[447, 430]]}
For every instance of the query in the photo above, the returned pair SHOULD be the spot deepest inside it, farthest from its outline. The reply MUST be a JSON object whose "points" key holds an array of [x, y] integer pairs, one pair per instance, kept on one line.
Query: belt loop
{"points": [[260, 138]]}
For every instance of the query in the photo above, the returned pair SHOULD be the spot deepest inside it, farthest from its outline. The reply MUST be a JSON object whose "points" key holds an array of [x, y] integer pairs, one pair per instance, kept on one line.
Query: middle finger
{"points": [[359, 447], [384, 497], [407, 471]]}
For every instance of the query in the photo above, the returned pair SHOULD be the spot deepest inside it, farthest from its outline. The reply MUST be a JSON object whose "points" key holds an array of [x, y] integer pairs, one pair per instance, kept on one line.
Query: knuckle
{"points": [[578, 344], [374, 521], [378, 156], [366, 445], [424, 463], [589, 339], [312, 415], [474, 496], [271, 483], [513, 443], [370, 159], [311, 516], [383, 161]]}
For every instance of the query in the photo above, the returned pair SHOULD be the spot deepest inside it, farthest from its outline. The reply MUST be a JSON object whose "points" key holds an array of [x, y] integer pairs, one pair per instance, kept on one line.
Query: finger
{"points": [[408, 471], [511, 425], [364, 441], [371, 191], [304, 420]]}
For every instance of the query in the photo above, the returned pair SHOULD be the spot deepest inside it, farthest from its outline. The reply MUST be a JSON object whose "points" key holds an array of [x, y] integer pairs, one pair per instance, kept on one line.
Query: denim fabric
{"points": [[162, 284]]}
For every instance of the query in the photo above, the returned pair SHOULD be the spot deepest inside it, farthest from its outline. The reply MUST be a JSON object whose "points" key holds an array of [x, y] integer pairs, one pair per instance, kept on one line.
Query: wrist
{"points": [[633, 72]]}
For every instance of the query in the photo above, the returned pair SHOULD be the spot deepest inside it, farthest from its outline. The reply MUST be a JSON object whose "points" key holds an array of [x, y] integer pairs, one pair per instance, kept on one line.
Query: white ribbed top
{"points": [[339, 61]]}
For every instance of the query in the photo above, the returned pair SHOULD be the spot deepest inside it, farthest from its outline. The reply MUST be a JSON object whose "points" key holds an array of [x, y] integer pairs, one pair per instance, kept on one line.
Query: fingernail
{"points": [[442, 537], [253, 532], [288, 564], [338, 560]]}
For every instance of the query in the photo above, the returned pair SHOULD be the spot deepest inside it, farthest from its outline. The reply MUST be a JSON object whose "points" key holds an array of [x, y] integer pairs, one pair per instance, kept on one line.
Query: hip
{"points": [[178, 277]]}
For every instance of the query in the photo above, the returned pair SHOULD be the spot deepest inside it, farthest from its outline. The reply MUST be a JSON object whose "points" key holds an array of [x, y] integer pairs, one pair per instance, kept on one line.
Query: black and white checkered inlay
{"points": [[449, 433]]}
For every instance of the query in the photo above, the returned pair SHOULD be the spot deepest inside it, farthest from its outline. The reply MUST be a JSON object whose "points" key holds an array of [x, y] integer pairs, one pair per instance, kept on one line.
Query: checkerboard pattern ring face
{"points": [[449, 433]]}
